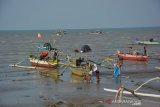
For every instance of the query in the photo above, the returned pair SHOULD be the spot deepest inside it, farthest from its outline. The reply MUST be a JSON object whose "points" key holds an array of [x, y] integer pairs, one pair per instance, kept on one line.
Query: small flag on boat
{"points": [[39, 36]]}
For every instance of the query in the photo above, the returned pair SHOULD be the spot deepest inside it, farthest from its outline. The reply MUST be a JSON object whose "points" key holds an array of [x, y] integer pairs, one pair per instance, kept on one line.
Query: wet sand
{"points": [[34, 88]]}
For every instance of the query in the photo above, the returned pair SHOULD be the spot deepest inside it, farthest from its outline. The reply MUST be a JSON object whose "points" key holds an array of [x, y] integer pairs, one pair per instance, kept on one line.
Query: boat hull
{"points": [[133, 57], [43, 63], [79, 71], [147, 43]]}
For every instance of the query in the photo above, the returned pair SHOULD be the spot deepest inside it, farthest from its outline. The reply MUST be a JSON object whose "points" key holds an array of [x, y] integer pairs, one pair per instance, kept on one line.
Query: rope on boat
{"points": [[20, 66], [20, 62], [64, 70], [100, 64]]}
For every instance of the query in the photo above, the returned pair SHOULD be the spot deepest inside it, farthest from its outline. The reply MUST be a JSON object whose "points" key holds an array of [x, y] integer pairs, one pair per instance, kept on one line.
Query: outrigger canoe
{"points": [[44, 59], [148, 42], [43, 63], [133, 57], [79, 71]]}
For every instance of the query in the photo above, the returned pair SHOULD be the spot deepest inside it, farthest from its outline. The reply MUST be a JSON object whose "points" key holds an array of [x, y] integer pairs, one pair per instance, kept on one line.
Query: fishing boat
{"points": [[80, 71], [79, 66], [148, 42], [39, 61], [47, 57], [60, 33], [36, 62], [133, 57], [96, 33]]}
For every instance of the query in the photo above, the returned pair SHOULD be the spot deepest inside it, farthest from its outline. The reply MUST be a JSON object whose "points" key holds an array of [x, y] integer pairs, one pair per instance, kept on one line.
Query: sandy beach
{"points": [[30, 89]]}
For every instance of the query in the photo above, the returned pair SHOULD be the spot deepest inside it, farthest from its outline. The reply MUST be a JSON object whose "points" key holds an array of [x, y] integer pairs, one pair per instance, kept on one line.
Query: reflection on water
{"points": [[117, 82], [76, 79], [52, 73]]}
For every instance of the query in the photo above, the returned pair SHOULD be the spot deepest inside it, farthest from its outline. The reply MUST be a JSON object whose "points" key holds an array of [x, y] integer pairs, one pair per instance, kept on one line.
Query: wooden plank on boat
{"points": [[19, 66], [77, 71], [141, 94]]}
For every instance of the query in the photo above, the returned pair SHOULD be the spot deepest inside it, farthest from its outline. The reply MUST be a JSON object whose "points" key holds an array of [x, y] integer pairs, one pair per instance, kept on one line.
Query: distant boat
{"points": [[133, 57], [60, 33], [96, 33], [148, 42]]}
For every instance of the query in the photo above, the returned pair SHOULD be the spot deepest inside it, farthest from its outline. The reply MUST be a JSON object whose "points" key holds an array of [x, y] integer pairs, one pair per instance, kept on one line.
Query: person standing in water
{"points": [[54, 53], [117, 73], [145, 51], [117, 66], [95, 69]]}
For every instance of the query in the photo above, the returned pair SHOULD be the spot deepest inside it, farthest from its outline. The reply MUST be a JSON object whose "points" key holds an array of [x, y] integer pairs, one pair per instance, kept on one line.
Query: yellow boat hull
{"points": [[80, 71]]}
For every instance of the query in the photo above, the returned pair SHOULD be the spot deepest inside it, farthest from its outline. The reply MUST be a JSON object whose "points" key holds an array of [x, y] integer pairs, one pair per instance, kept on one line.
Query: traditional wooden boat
{"points": [[43, 63], [80, 71], [43, 58], [133, 57], [96, 33], [148, 42], [60, 33]]}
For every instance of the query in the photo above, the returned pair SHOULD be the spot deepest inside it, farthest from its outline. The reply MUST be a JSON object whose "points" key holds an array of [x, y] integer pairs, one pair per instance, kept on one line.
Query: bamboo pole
{"points": [[141, 94]]}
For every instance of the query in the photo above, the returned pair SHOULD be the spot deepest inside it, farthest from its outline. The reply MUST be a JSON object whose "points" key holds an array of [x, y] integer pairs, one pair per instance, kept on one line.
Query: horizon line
{"points": [[77, 28]]}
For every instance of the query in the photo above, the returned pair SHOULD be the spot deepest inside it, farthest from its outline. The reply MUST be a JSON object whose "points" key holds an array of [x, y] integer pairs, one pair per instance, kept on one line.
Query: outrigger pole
{"points": [[127, 91], [19, 66]]}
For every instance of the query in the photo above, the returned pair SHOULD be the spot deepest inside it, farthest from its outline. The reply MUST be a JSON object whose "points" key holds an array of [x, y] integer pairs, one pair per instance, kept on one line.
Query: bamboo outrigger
{"points": [[20, 66], [47, 57], [137, 93], [127, 91]]}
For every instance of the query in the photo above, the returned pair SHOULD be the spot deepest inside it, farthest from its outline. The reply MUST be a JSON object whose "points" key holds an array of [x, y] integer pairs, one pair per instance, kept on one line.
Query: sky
{"points": [[78, 14]]}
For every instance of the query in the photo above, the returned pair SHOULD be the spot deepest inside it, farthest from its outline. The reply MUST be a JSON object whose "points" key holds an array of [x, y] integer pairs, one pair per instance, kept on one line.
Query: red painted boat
{"points": [[133, 57]]}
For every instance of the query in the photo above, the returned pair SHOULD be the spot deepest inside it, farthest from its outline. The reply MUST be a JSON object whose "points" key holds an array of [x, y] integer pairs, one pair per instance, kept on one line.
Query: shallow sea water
{"points": [[30, 88]]}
